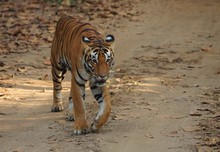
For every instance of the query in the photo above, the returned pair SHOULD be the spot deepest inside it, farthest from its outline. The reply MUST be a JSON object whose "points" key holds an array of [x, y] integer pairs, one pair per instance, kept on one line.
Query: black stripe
{"points": [[98, 96], [84, 50], [73, 34], [100, 101], [93, 87], [71, 28], [84, 96], [69, 68], [59, 78], [63, 73], [58, 89], [80, 75], [86, 68], [66, 62], [61, 68], [56, 76], [79, 84], [85, 30]]}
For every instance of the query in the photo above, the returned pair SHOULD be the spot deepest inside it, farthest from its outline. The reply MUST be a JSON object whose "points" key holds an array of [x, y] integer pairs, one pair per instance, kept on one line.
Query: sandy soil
{"points": [[165, 87]]}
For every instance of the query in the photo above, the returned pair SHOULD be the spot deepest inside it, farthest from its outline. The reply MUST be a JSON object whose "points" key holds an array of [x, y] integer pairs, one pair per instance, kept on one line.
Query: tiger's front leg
{"points": [[71, 106], [102, 97], [77, 90]]}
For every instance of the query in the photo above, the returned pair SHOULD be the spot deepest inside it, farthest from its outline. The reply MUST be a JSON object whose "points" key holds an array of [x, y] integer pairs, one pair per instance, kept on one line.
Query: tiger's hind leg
{"points": [[57, 75]]}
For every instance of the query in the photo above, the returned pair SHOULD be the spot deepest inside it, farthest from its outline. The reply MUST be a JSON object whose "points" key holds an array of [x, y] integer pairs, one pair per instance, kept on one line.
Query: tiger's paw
{"points": [[81, 131], [57, 107], [94, 127], [70, 117], [81, 127]]}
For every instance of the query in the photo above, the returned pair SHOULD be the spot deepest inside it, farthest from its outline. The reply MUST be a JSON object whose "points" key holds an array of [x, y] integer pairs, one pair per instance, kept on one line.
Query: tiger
{"points": [[79, 48]]}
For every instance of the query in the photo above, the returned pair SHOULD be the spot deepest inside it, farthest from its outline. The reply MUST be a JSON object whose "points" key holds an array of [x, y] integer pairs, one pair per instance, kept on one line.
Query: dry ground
{"points": [[165, 87]]}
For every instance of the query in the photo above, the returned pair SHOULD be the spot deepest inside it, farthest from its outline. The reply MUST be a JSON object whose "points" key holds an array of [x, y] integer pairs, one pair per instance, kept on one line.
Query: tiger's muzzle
{"points": [[101, 80]]}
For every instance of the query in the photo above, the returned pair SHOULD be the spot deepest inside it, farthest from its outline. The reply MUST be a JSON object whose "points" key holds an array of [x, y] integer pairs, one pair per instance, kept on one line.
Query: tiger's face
{"points": [[99, 58]]}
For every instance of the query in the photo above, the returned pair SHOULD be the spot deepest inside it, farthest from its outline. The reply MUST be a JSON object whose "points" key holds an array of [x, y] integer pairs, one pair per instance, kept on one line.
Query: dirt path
{"points": [[165, 88]]}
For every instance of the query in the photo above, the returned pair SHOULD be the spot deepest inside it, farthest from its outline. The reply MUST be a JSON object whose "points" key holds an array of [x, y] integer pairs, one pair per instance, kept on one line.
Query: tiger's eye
{"points": [[94, 60]]}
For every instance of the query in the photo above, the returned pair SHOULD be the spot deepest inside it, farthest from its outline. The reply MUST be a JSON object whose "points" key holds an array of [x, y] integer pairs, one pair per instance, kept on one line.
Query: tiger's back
{"points": [[67, 32]]}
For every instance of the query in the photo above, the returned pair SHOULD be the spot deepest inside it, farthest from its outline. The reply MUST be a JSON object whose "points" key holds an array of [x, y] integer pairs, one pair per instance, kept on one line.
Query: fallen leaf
{"points": [[206, 109], [47, 62], [177, 60], [170, 134], [214, 141], [101, 15], [66, 2], [190, 66], [148, 136], [34, 6], [1, 113], [141, 33], [194, 113], [10, 22], [4, 68], [12, 45], [22, 70], [191, 129], [1, 64], [134, 18], [14, 31], [206, 49], [44, 78]]}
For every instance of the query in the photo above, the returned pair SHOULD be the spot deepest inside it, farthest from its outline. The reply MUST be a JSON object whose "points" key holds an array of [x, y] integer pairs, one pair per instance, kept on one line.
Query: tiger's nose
{"points": [[102, 78]]}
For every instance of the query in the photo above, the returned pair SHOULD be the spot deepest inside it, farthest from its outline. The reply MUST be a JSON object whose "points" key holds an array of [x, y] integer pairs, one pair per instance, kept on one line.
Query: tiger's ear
{"points": [[109, 39]]}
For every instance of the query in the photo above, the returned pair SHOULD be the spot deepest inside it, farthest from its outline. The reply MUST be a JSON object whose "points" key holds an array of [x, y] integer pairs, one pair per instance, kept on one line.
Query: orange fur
{"points": [[79, 48]]}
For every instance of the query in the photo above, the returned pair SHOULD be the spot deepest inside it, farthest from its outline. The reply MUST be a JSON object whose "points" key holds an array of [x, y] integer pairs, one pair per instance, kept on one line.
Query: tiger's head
{"points": [[99, 57]]}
